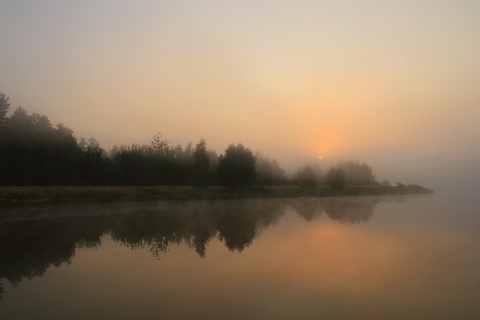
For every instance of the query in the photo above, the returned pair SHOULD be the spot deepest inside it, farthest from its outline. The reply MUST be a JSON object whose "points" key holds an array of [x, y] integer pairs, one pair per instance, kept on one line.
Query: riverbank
{"points": [[38, 195]]}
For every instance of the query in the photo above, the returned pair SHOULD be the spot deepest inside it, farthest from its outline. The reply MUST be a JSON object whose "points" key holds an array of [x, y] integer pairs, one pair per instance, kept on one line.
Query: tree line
{"points": [[34, 152]]}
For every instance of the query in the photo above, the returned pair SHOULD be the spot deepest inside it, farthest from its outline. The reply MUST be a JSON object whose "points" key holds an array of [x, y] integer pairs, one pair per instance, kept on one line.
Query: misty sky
{"points": [[393, 83]]}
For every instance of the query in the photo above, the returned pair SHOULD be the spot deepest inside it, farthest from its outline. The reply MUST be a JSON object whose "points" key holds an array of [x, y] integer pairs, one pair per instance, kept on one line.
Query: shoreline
{"points": [[14, 196]]}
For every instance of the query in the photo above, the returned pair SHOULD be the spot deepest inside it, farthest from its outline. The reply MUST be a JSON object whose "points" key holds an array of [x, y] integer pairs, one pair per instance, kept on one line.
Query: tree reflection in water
{"points": [[31, 242]]}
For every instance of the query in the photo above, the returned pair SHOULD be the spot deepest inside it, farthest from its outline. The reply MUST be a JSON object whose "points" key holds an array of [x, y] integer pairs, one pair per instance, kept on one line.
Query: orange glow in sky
{"points": [[295, 80]]}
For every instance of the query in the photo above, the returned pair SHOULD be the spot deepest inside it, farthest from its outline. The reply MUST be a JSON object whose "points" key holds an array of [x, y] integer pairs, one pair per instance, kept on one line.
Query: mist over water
{"points": [[290, 87], [341, 258]]}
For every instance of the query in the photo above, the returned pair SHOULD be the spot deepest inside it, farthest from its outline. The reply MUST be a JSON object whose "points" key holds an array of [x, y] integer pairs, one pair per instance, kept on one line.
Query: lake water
{"points": [[412, 257]]}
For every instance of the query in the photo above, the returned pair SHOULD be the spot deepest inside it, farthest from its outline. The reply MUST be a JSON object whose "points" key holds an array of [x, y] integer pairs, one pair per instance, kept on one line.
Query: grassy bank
{"points": [[64, 194]]}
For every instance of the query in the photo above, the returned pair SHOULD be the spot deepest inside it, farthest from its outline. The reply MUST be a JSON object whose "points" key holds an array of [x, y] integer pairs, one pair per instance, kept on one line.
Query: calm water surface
{"points": [[331, 258]]}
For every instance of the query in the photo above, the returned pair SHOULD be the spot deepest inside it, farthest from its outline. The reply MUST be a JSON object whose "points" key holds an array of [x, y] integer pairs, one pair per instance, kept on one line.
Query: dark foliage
{"points": [[237, 166], [268, 171], [4, 106], [336, 178], [356, 172], [201, 164], [306, 178], [33, 152]]}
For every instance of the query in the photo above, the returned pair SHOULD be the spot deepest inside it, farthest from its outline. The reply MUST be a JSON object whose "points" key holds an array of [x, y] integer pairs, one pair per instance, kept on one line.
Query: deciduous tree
{"points": [[237, 166], [336, 178]]}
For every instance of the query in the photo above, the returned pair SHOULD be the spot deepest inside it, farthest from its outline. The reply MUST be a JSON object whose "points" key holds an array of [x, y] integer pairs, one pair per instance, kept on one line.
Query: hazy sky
{"points": [[393, 83]]}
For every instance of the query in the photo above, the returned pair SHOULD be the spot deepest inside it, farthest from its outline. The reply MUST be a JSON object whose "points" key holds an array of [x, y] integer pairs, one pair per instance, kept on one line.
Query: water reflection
{"points": [[33, 240]]}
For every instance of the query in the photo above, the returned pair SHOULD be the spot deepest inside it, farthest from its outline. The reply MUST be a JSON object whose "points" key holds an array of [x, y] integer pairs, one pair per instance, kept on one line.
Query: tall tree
{"points": [[4, 106], [201, 163], [237, 166], [161, 146]]}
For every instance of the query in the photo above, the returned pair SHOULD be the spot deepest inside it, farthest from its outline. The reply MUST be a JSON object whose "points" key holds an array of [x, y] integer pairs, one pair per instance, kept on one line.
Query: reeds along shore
{"points": [[63, 194]]}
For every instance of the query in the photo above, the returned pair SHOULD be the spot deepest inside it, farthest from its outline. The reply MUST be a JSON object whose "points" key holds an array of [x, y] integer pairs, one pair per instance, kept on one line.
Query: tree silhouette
{"points": [[386, 183], [268, 171], [237, 166], [336, 178], [306, 178], [201, 163], [356, 172], [35, 153], [4, 106]]}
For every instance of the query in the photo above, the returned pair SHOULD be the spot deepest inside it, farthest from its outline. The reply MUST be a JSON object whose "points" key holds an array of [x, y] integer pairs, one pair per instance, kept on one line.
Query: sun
{"points": [[320, 157]]}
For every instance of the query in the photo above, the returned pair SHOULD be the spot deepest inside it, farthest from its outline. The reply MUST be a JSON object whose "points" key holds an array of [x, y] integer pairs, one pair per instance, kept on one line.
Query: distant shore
{"points": [[39, 195]]}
